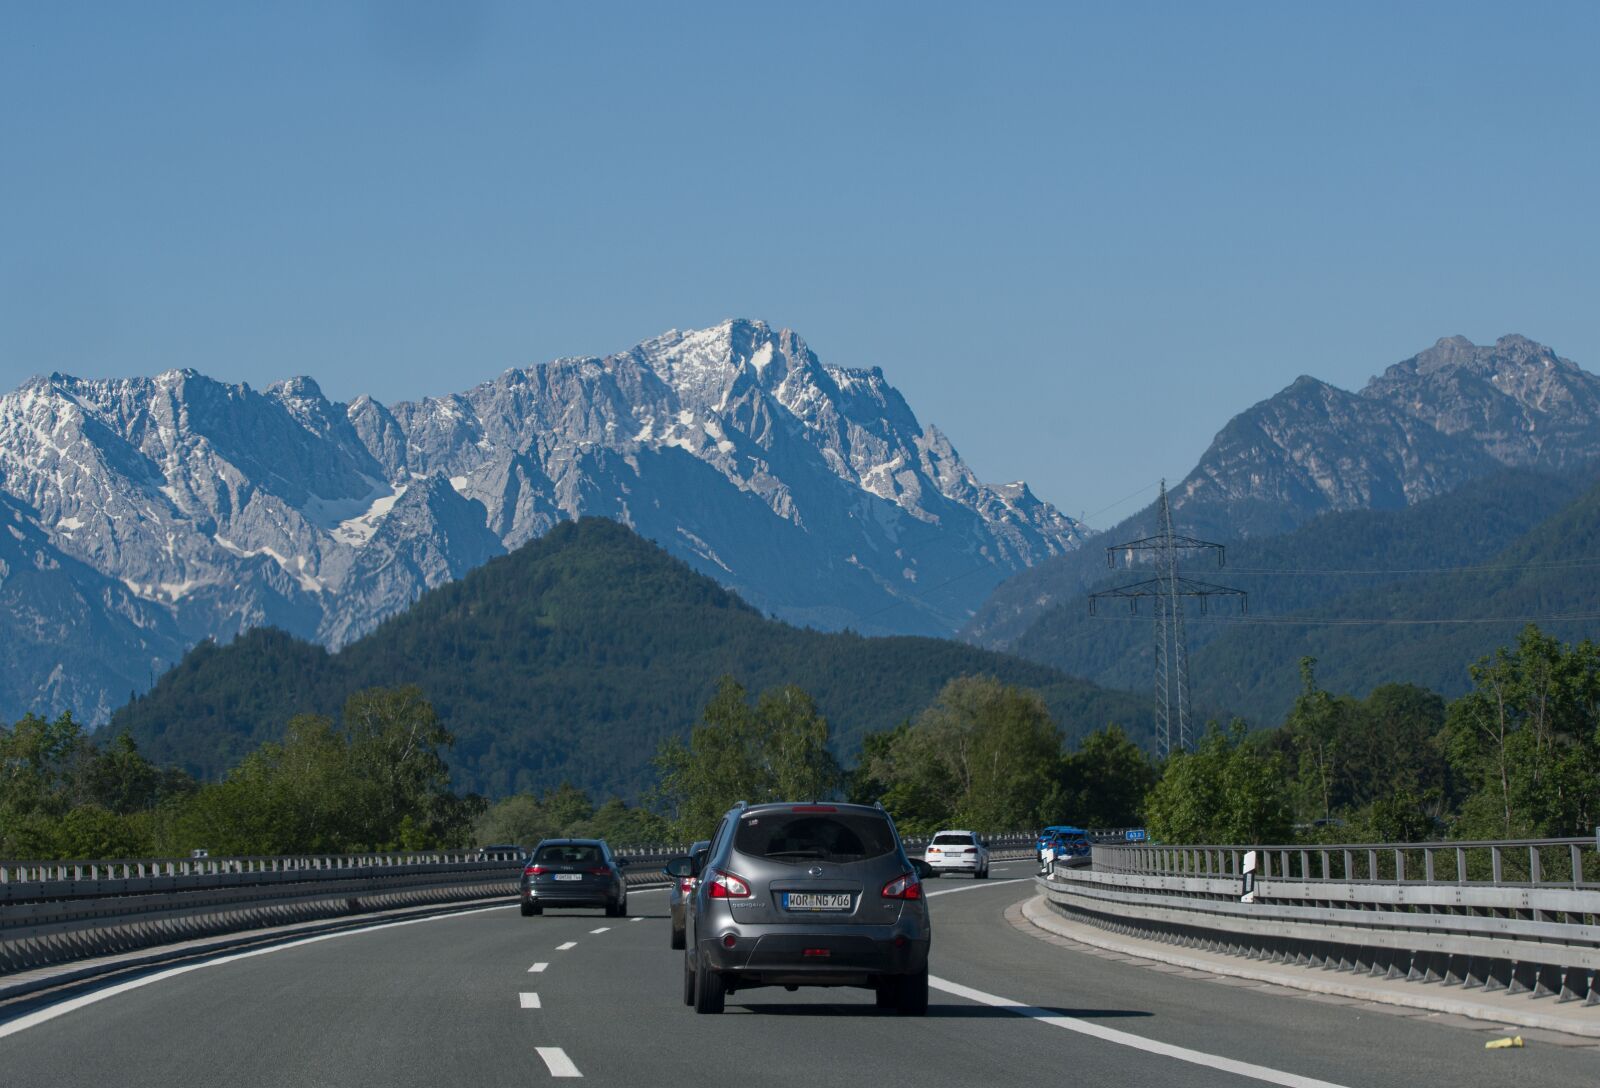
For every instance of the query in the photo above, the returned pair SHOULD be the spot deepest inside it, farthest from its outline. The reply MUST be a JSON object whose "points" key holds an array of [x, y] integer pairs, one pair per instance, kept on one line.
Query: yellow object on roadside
{"points": [[1501, 1044]]}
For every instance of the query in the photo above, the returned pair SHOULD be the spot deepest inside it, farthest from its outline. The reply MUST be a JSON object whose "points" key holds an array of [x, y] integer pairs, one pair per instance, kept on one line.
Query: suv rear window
{"points": [[952, 840], [801, 837], [576, 854]]}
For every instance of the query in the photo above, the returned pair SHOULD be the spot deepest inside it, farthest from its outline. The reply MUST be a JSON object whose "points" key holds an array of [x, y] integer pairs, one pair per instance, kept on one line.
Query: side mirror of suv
{"points": [[679, 867]]}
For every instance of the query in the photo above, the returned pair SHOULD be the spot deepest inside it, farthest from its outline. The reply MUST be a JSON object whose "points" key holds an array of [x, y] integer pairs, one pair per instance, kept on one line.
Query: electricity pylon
{"points": [[1169, 588]]}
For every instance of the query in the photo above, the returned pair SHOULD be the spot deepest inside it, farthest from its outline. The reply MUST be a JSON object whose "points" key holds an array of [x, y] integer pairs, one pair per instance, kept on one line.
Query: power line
{"points": [[1551, 564], [1168, 590], [1083, 519], [1364, 621]]}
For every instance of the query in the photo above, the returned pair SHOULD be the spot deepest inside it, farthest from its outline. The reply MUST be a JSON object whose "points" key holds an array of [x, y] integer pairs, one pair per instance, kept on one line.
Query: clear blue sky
{"points": [[1078, 237]]}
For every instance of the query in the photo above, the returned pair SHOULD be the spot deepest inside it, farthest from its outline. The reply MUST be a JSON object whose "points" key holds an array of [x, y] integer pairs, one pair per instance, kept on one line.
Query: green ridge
{"points": [[571, 659]]}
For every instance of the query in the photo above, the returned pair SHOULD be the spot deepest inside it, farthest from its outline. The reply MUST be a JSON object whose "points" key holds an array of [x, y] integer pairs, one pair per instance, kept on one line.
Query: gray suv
{"points": [[805, 895]]}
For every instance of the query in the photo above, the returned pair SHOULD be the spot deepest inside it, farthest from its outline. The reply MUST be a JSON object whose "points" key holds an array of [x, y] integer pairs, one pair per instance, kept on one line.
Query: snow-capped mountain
{"points": [[810, 489]]}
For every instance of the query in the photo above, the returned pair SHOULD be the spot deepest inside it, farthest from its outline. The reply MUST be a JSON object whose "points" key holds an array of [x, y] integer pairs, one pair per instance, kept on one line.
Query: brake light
{"points": [[970, 850], [934, 850], [534, 870], [600, 870], [903, 887], [727, 886]]}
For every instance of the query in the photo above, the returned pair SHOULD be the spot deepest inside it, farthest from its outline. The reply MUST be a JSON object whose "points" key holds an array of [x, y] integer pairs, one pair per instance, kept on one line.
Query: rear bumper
{"points": [[569, 897], [799, 956], [957, 864]]}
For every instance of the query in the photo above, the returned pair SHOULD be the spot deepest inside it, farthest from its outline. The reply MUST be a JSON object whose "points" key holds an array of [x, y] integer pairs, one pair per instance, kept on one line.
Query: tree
{"points": [[776, 750], [396, 747], [1315, 730], [1103, 783], [983, 755], [1525, 739], [378, 781], [1226, 791]]}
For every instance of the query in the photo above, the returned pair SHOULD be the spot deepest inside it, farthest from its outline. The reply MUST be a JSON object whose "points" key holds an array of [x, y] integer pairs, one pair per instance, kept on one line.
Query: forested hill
{"points": [[1429, 627], [571, 659], [1411, 596]]}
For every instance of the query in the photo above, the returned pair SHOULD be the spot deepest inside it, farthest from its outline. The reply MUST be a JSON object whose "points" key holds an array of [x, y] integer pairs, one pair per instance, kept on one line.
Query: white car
{"points": [[957, 852]]}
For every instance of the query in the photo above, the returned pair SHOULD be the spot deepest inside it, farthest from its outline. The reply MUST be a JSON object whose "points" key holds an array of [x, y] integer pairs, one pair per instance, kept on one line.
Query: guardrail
{"points": [[1521, 916]]}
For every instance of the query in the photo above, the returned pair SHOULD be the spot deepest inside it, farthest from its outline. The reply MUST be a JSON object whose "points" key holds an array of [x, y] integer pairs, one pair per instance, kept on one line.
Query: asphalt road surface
{"points": [[487, 997]]}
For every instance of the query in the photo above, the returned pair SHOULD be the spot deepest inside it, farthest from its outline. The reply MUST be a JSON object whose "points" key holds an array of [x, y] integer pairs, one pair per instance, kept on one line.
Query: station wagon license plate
{"points": [[569, 876], [816, 901]]}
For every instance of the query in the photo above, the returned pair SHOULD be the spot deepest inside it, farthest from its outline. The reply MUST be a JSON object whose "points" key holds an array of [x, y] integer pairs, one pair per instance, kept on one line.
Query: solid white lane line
{"points": [[536, 968], [528, 1001], [556, 1060], [564, 947], [637, 918], [602, 929], [976, 885], [1137, 1042], [22, 1023]]}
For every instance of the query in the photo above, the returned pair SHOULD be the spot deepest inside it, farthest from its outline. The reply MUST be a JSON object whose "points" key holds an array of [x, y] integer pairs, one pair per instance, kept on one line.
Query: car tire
{"points": [[678, 940], [709, 995], [912, 996], [688, 983], [531, 909], [981, 874], [887, 995]]}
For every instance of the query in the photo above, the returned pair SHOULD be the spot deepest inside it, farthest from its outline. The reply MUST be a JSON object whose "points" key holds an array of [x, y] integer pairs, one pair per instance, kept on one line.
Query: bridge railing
{"points": [[1516, 915], [1570, 862]]}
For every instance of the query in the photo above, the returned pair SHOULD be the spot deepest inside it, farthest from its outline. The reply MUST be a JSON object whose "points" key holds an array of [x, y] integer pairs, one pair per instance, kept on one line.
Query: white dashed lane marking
{"points": [[528, 1001], [564, 947], [602, 929], [556, 1060], [536, 968], [640, 918]]}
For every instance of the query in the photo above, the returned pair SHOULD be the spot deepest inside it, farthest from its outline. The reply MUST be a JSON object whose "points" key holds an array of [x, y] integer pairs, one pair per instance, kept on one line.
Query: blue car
{"points": [[1071, 845]]}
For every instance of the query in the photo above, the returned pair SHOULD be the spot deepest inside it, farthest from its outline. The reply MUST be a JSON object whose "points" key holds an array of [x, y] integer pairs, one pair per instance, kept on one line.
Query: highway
{"points": [[486, 997]]}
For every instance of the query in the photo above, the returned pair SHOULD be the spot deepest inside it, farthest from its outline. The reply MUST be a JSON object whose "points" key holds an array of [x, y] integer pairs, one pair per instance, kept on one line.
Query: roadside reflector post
{"points": [[1247, 889]]}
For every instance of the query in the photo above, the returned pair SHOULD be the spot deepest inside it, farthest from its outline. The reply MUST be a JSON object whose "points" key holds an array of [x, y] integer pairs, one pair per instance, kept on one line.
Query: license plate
{"points": [[817, 901], [569, 876]]}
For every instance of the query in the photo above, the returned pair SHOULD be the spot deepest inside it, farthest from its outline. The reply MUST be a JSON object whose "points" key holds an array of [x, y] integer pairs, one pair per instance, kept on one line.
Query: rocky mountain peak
{"points": [[809, 488], [1516, 398]]}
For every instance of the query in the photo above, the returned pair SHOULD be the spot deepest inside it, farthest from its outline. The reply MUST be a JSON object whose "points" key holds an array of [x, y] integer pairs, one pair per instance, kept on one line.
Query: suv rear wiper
{"points": [[797, 854]]}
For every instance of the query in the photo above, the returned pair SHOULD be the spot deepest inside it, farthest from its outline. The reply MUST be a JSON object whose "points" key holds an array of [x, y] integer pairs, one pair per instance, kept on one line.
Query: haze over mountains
{"points": [[1422, 428], [1343, 512], [144, 515], [177, 508]]}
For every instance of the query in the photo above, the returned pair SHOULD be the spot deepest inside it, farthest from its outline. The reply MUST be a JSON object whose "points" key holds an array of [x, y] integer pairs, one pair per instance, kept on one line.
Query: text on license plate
{"points": [[817, 901], [569, 876]]}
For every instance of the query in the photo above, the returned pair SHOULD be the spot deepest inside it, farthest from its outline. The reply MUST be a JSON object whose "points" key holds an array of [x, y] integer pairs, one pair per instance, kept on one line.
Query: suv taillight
{"points": [[600, 870], [534, 870], [903, 887], [727, 886]]}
